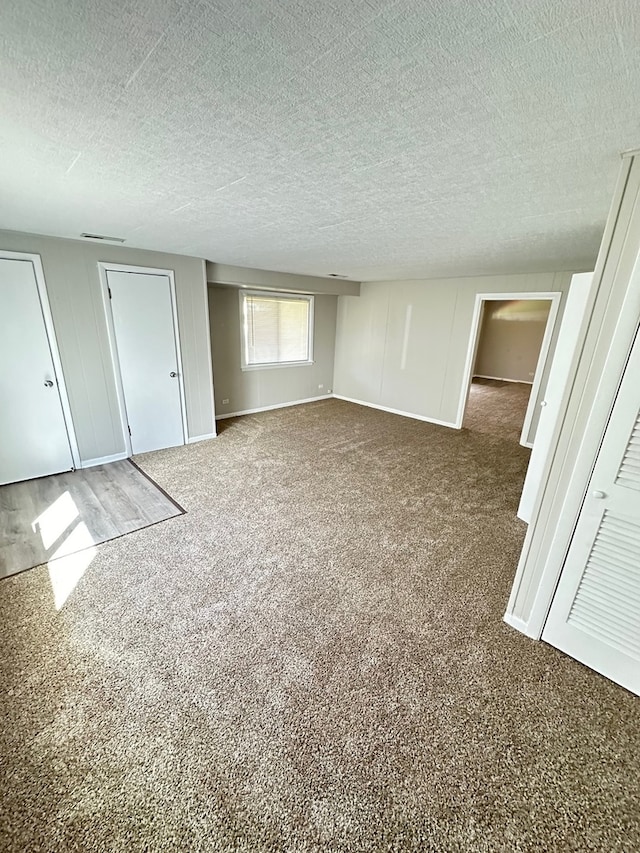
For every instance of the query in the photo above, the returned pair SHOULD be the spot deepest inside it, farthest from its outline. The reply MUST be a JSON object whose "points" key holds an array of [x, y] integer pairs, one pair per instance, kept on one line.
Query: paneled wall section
{"points": [[403, 344]]}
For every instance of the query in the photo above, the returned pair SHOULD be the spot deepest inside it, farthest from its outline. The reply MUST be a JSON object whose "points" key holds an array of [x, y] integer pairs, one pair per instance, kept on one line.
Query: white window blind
{"points": [[276, 329]]}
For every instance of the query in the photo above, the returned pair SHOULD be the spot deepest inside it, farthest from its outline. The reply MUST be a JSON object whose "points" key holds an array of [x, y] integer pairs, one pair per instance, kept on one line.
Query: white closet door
{"points": [[33, 432], [563, 359], [595, 614], [144, 328]]}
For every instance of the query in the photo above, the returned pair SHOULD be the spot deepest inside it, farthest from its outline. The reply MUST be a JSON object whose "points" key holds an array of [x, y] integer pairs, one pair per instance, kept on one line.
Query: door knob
{"points": [[543, 403], [173, 374], [48, 383], [598, 494]]}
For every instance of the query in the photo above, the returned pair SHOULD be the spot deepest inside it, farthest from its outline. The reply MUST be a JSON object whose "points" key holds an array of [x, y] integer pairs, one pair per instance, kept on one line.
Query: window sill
{"points": [[276, 364]]}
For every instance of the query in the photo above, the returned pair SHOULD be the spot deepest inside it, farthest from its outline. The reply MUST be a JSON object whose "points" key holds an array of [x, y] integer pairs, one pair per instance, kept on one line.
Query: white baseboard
{"points": [[519, 625], [276, 406], [103, 460], [528, 444], [502, 379], [194, 438], [396, 412]]}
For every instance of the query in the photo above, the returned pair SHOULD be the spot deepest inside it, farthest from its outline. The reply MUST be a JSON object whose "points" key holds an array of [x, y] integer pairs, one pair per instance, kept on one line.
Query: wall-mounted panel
{"points": [[418, 330], [361, 335]]}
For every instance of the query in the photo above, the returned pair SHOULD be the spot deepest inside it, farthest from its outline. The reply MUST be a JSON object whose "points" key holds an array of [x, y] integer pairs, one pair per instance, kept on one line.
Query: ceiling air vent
{"points": [[103, 237]]}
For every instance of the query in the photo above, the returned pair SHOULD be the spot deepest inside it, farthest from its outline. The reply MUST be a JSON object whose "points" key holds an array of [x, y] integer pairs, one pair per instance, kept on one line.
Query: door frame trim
{"points": [[103, 268], [52, 340], [474, 338]]}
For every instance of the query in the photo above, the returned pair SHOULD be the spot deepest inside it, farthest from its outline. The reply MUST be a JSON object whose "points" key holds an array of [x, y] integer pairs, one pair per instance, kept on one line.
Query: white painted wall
{"points": [[73, 286], [402, 344]]}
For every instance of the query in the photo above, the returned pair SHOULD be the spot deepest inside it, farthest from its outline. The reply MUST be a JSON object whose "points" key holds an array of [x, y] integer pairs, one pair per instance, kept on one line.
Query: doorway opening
{"points": [[508, 363]]}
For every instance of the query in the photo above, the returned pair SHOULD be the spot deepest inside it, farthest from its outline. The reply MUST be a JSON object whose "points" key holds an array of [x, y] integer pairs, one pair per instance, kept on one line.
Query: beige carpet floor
{"points": [[313, 658], [497, 408]]}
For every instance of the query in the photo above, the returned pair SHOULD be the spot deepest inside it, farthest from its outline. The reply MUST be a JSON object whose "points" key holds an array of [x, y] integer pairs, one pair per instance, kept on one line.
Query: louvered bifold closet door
{"points": [[629, 473], [595, 615]]}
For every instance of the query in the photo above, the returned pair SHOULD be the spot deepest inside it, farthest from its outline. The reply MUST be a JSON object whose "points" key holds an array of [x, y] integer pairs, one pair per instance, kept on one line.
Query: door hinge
{"points": [[109, 289], [129, 428]]}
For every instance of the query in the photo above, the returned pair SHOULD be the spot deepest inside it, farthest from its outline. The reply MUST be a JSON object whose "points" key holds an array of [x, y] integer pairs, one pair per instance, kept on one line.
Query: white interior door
{"points": [[595, 614], [563, 358], [147, 354], [33, 432]]}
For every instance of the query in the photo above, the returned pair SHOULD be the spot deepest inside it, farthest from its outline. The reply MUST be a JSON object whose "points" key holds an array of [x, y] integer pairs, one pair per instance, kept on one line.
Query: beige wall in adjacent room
{"points": [[269, 386], [403, 344], [511, 338], [73, 286]]}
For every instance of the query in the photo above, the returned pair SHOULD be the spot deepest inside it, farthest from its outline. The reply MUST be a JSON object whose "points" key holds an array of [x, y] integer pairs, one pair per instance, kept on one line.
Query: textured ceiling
{"points": [[373, 138]]}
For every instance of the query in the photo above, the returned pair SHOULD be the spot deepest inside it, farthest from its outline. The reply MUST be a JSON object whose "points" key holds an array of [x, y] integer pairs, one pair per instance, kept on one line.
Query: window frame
{"points": [[280, 296]]}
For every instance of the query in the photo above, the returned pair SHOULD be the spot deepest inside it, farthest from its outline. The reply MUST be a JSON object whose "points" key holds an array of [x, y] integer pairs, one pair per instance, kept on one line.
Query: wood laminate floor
{"points": [[51, 517]]}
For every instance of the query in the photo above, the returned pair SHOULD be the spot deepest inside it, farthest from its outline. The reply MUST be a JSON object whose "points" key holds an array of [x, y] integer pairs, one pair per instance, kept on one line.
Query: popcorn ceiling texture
{"points": [[381, 139], [312, 660]]}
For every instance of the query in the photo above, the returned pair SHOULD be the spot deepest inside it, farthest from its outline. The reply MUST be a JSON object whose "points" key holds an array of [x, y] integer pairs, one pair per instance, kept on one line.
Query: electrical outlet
{"points": [[225, 402], [320, 387]]}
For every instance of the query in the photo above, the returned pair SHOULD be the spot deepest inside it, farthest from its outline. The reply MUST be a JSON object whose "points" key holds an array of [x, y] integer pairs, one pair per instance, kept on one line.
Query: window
{"points": [[276, 329]]}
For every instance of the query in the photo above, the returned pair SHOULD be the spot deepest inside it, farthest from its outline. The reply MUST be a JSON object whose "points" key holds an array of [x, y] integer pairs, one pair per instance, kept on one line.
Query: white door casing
{"points": [[142, 322], [564, 356], [36, 431], [595, 613]]}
